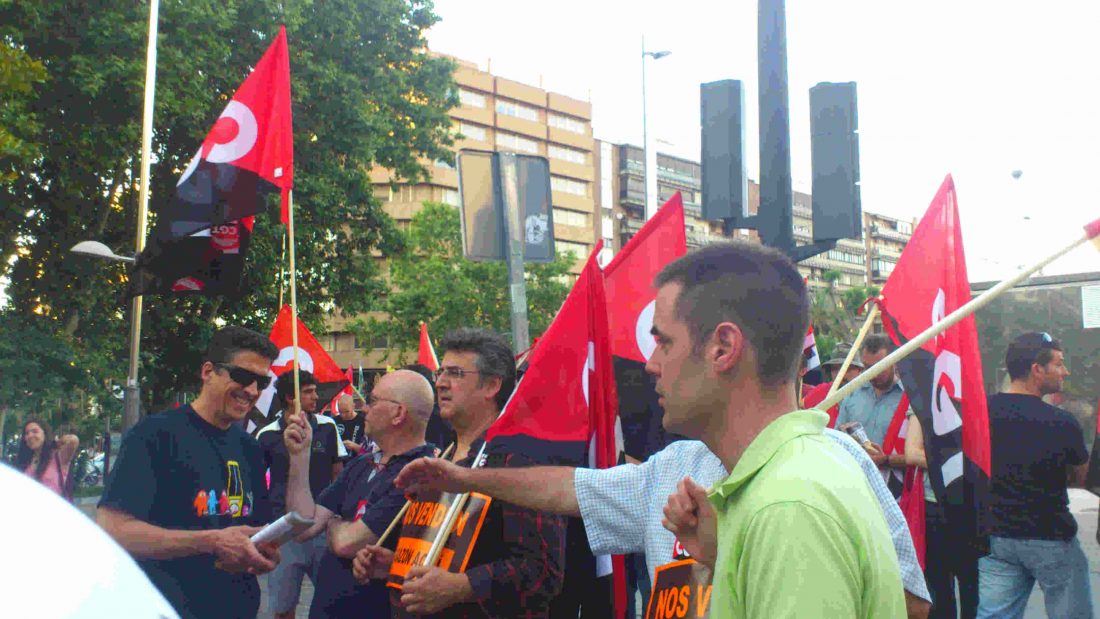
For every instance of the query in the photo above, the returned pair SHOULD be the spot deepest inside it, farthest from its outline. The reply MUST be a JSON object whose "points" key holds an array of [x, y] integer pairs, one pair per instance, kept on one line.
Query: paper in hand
{"points": [[283, 530]]}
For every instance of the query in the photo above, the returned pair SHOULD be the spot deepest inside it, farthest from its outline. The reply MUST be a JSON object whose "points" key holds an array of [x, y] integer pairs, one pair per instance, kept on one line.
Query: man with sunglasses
{"points": [[358, 506], [1036, 451], [299, 558], [188, 487]]}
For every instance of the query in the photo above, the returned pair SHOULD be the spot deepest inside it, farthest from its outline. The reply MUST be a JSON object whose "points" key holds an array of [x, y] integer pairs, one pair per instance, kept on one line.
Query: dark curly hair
{"points": [[494, 357]]}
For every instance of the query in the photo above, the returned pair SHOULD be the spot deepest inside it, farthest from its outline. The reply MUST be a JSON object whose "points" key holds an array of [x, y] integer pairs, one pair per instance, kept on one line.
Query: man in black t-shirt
{"points": [[299, 558], [1036, 449], [188, 483], [362, 502], [350, 424]]}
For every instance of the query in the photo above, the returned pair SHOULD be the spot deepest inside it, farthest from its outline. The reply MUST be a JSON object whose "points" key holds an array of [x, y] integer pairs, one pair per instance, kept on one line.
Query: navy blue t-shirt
{"points": [[358, 495], [176, 471], [1033, 445]]}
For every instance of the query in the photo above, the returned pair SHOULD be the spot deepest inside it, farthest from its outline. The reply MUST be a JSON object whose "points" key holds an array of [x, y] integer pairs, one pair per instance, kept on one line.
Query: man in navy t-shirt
{"points": [[1036, 450], [189, 484], [362, 502]]}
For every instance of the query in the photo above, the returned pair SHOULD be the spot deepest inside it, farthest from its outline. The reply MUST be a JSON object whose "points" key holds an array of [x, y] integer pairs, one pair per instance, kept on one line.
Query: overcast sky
{"points": [[976, 89]]}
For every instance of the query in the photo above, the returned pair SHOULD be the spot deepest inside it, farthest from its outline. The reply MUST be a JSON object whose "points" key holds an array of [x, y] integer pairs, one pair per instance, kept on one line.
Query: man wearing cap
{"points": [[875, 404], [1037, 451], [817, 395]]}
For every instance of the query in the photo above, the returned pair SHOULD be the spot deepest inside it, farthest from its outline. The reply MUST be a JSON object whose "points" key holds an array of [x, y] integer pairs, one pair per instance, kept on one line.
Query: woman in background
{"points": [[45, 459]]}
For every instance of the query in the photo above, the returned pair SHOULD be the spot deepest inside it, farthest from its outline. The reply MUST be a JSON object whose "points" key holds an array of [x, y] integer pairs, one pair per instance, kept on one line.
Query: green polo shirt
{"points": [[800, 533]]}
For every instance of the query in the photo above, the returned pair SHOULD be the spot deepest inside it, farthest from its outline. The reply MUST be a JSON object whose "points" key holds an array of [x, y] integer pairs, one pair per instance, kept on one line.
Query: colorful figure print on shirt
{"points": [[212, 504], [234, 489], [223, 504], [200, 503]]}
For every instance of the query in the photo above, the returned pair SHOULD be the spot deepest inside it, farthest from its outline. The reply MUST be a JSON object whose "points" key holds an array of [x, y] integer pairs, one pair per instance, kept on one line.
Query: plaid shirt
{"points": [[517, 565]]}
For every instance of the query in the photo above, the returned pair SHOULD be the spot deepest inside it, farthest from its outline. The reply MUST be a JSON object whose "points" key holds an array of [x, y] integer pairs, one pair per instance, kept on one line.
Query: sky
{"points": [[972, 88]]}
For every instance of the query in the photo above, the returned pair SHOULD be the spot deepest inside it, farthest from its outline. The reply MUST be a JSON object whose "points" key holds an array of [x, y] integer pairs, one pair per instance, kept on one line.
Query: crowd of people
{"points": [[782, 511]]}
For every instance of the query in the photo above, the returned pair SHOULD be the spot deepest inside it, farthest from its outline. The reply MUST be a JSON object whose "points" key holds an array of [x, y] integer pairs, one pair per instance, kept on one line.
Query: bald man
{"points": [[350, 423], [357, 507]]}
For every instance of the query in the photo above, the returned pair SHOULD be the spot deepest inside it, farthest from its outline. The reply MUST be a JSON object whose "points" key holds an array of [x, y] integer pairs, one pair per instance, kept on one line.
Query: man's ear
{"points": [[495, 384], [206, 371], [727, 346]]}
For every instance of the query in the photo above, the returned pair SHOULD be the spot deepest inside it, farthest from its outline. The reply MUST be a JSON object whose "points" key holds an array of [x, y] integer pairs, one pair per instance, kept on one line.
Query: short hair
{"points": [[754, 286], [875, 342], [494, 357], [1029, 348], [414, 391], [227, 342], [284, 385]]}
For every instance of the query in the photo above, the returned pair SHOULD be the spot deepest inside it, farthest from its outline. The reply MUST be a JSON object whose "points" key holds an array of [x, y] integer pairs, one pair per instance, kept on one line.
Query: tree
{"points": [[19, 73], [366, 93], [432, 282], [834, 314]]}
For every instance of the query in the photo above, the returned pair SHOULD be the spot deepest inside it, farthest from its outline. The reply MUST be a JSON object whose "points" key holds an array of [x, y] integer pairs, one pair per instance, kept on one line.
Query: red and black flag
{"points": [[943, 378], [811, 374], [331, 380], [201, 235], [631, 298]]}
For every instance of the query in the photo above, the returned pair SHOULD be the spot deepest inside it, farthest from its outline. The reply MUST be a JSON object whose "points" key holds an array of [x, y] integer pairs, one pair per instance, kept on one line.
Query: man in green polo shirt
{"points": [[794, 530]]}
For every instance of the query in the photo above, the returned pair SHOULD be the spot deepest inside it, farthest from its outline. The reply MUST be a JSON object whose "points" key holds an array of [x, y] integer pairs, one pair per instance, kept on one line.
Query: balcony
{"points": [[685, 180], [889, 233], [803, 211], [887, 253], [636, 198], [879, 276]]}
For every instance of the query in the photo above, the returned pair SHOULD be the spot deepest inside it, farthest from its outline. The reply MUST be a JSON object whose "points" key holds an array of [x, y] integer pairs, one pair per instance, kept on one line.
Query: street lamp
{"points": [[98, 250], [649, 154]]}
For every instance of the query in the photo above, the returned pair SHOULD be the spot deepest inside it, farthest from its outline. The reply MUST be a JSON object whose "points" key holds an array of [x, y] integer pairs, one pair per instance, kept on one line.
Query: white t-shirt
{"points": [[61, 564]]}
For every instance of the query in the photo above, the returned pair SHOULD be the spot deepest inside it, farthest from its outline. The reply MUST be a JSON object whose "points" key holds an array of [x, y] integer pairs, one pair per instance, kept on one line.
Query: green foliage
{"points": [[834, 315], [365, 94], [19, 128], [433, 283]]}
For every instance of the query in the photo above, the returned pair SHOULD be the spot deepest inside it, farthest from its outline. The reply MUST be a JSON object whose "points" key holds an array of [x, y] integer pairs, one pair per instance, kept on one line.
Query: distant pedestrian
{"points": [[45, 459]]}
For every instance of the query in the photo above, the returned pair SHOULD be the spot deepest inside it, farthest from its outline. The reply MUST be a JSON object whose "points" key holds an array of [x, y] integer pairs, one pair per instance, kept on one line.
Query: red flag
{"points": [[629, 280], [943, 379], [566, 399], [331, 380], [426, 356], [202, 234]]}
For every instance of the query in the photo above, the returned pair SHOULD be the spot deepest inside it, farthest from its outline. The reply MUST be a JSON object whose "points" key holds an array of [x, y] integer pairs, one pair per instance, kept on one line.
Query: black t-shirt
{"points": [[362, 491], [325, 451], [176, 471], [1033, 444], [351, 430]]}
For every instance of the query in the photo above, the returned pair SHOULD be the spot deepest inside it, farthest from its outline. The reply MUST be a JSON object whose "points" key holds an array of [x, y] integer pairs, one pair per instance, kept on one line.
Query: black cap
{"points": [[1023, 351]]}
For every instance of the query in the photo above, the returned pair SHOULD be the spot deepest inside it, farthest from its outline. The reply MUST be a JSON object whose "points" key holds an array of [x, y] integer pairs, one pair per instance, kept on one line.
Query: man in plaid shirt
{"points": [[516, 566]]}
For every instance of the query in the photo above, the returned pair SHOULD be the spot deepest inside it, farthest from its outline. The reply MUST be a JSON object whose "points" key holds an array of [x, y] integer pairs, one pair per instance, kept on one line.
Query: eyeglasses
{"points": [[245, 377], [373, 400], [453, 372]]}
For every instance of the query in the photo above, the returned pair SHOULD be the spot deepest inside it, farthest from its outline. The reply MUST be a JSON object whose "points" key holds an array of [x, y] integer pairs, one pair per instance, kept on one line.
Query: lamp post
{"points": [[648, 153]]}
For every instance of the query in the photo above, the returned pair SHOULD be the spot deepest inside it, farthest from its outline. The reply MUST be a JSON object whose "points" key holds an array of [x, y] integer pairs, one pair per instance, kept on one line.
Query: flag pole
{"points": [[282, 273], [872, 314], [949, 321], [293, 297], [393, 524]]}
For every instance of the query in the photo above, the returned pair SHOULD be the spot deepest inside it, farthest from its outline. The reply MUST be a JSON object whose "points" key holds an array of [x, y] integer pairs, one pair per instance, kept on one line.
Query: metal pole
{"points": [[509, 185], [648, 209], [775, 128], [132, 396]]}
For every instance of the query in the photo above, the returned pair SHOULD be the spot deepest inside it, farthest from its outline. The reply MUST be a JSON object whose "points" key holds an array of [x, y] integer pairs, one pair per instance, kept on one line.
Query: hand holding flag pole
{"points": [[1092, 232], [385, 534]]}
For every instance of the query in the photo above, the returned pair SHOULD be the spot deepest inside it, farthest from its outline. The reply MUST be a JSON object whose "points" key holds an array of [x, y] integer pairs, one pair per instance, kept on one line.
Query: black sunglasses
{"points": [[245, 377]]}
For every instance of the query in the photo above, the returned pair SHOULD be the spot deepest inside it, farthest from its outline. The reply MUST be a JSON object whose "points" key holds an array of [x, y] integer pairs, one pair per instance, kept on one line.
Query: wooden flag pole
{"points": [[282, 273], [293, 297], [949, 321], [872, 314], [385, 535]]}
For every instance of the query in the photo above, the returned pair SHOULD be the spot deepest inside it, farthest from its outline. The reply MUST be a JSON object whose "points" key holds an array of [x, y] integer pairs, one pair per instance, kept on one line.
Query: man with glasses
{"points": [[1036, 451], [189, 482], [516, 567], [299, 558], [358, 506]]}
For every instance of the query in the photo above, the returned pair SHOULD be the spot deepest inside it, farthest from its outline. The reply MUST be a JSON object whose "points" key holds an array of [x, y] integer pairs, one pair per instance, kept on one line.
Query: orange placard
{"points": [[420, 526], [680, 589]]}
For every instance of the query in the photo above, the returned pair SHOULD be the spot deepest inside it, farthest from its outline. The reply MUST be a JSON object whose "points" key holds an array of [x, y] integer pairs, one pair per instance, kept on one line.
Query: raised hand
{"points": [[692, 519]]}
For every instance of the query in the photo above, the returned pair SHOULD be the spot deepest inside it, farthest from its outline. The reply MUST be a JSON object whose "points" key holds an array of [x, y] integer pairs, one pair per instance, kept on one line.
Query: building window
{"points": [[905, 227], [511, 141], [580, 250], [567, 185], [450, 196], [843, 256], [473, 132], [518, 110], [565, 122], [884, 267], [578, 157], [608, 228], [571, 218], [471, 99]]}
